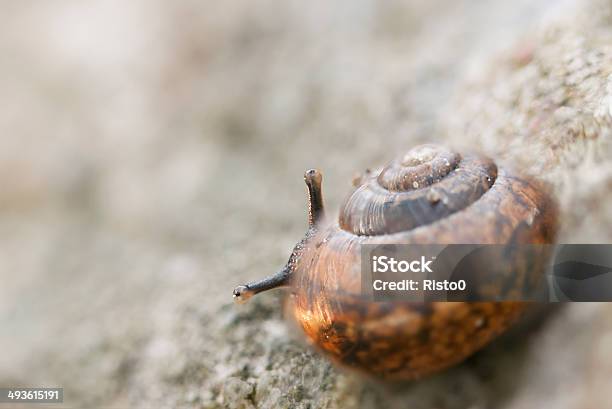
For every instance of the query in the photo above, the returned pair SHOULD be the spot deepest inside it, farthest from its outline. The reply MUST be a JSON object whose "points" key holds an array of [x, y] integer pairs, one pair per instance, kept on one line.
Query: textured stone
{"points": [[153, 155]]}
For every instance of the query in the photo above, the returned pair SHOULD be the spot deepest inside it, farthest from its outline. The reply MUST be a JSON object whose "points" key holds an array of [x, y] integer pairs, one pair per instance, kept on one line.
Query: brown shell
{"points": [[435, 197]]}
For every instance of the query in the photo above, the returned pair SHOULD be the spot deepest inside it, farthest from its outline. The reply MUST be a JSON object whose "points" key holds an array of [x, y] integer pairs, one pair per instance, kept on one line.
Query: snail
{"points": [[430, 195]]}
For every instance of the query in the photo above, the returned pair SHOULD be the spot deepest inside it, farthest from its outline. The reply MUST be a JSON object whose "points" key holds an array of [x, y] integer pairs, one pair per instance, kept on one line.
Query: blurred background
{"points": [[151, 158]]}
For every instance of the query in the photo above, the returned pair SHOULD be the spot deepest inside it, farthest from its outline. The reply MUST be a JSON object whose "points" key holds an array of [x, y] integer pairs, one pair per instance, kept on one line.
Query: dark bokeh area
{"points": [[151, 159]]}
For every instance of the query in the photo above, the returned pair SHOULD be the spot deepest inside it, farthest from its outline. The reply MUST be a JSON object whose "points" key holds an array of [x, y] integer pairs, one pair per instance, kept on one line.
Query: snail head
{"points": [[282, 278]]}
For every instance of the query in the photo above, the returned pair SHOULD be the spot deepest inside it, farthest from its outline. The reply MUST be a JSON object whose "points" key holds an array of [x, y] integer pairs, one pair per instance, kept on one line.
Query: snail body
{"points": [[430, 195]]}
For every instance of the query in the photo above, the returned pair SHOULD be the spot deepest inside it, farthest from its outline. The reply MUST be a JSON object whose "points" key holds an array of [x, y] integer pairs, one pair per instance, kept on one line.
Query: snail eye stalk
{"points": [[313, 179], [282, 278], [243, 293]]}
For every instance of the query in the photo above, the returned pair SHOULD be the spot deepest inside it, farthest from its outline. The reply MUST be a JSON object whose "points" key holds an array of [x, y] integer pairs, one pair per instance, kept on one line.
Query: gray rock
{"points": [[159, 159]]}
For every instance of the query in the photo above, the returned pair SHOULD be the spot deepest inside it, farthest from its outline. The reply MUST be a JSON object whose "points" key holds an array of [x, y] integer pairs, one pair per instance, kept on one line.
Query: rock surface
{"points": [[152, 159]]}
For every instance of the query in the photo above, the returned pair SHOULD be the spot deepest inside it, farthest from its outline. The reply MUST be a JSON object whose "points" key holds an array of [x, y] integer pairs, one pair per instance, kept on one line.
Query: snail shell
{"points": [[430, 195]]}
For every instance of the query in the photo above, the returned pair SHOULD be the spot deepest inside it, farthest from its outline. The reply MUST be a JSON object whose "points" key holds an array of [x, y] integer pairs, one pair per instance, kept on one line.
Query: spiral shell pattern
{"points": [[425, 185]]}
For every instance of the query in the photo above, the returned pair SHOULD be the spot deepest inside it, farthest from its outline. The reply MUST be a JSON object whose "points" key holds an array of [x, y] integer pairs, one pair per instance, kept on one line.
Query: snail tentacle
{"points": [[282, 278], [316, 212], [242, 293]]}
